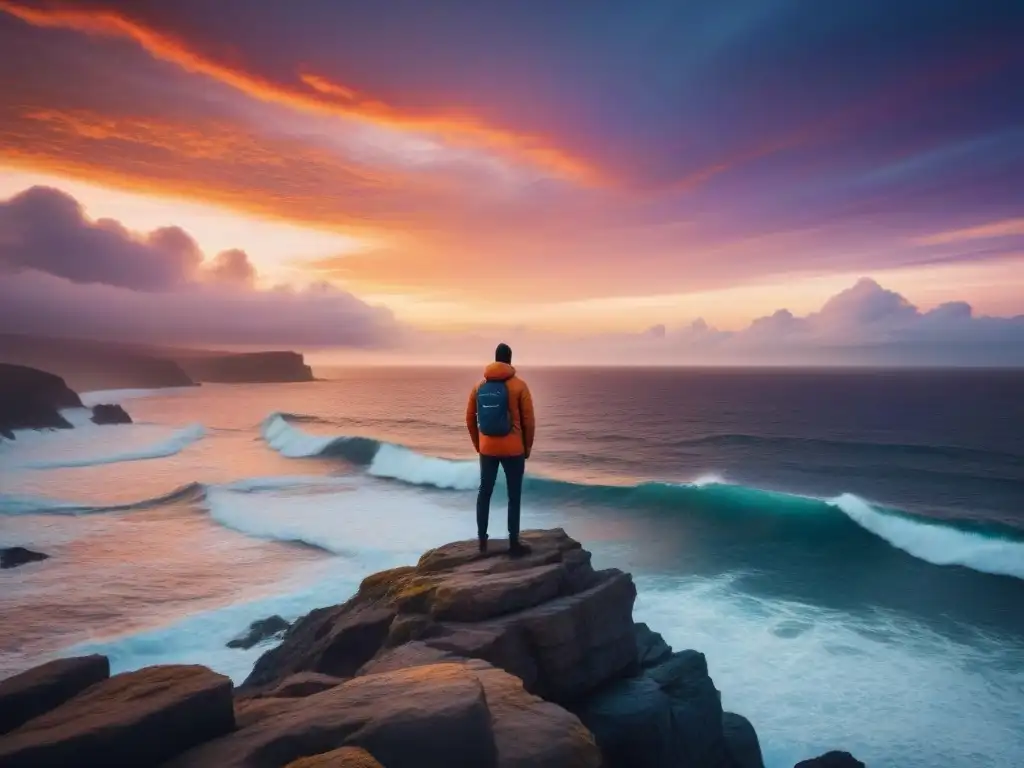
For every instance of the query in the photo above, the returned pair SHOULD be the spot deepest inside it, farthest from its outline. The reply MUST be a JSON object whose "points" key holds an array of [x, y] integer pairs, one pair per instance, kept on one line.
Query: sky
{"points": [[758, 181]]}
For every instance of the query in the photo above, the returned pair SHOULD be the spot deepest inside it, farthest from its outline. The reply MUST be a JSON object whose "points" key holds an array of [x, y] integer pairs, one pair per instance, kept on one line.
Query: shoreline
{"points": [[544, 639]]}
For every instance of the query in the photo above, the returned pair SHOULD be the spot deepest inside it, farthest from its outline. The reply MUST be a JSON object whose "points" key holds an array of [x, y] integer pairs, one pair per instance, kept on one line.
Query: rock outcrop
{"points": [[136, 718], [832, 760], [464, 660], [251, 367], [110, 414], [46, 687], [12, 557], [260, 630], [549, 619], [33, 399]]}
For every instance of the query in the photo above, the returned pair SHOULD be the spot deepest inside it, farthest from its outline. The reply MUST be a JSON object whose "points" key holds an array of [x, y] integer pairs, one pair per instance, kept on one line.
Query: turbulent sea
{"points": [[847, 548]]}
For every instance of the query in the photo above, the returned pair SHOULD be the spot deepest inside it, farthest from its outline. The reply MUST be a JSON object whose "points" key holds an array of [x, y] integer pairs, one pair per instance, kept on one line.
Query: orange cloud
{"points": [[311, 92], [211, 161]]}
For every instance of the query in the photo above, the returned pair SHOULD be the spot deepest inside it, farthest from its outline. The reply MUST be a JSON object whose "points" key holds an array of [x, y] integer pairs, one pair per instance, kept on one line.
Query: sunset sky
{"points": [[658, 181]]}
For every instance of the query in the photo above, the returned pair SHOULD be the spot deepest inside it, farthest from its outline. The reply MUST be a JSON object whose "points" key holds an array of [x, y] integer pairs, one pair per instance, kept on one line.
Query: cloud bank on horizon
{"points": [[62, 274], [599, 165]]}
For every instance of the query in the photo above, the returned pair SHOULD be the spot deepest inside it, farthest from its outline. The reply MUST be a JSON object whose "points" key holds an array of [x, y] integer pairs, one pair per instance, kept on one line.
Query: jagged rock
{"points": [[304, 684], [12, 557], [832, 760], [260, 630], [551, 620], [530, 732], [741, 741], [40, 689], [335, 641], [651, 647], [346, 757], [696, 709], [427, 717], [548, 618], [632, 722], [135, 718], [110, 414], [33, 399]]}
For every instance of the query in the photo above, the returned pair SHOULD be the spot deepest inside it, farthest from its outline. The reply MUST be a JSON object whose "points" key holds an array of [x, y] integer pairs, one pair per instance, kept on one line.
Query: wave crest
{"points": [[175, 443], [936, 542]]}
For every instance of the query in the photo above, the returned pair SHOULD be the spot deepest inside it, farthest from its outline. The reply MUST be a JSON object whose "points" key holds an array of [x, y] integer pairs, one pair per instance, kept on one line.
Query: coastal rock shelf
{"points": [[464, 660]]}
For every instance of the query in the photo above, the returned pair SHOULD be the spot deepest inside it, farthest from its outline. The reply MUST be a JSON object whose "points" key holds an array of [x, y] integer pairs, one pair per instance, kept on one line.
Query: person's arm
{"points": [[528, 420], [471, 425]]}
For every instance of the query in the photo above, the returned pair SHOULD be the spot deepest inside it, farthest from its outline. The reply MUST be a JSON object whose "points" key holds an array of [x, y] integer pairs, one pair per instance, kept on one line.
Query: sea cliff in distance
{"points": [[88, 365]]}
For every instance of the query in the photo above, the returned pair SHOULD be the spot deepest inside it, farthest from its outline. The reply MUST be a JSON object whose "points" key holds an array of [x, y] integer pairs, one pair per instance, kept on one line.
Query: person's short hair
{"points": [[503, 354]]}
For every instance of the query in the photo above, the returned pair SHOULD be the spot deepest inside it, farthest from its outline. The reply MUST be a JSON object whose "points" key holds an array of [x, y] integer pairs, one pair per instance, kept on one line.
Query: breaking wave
{"points": [[989, 549], [175, 443]]}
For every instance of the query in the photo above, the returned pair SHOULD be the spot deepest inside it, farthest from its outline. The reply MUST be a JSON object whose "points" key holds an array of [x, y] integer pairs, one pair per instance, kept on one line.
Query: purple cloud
{"points": [[69, 276], [231, 267], [45, 229]]}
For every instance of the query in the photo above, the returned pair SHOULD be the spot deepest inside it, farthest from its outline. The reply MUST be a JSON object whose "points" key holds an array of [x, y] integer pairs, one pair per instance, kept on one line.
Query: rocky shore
{"points": [[461, 661], [34, 399]]}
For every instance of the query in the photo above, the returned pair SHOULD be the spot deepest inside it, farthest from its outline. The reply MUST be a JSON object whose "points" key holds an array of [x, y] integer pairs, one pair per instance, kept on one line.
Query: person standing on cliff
{"points": [[501, 424]]}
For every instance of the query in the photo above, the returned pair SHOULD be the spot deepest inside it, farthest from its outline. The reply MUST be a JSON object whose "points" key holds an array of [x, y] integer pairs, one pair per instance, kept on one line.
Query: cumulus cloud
{"points": [[45, 229], [863, 325], [62, 274], [231, 267]]}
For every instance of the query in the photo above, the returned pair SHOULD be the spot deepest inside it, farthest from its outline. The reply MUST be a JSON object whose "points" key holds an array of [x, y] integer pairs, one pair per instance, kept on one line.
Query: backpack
{"points": [[493, 417]]}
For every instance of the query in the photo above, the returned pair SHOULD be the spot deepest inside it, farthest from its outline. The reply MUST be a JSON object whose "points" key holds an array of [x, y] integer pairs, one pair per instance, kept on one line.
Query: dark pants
{"points": [[515, 468]]}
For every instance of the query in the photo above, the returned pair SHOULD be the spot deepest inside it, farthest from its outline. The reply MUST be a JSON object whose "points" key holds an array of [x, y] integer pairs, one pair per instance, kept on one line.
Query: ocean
{"points": [[846, 547]]}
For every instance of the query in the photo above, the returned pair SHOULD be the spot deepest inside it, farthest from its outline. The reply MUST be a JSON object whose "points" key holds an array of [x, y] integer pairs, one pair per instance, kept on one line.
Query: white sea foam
{"points": [[356, 517], [174, 443], [711, 478], [399, 463], [812, 680], [936, 543]]}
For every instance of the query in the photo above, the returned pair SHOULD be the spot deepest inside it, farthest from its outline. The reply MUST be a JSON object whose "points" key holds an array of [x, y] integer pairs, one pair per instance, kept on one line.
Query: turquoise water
{"points": [[846, 548]]}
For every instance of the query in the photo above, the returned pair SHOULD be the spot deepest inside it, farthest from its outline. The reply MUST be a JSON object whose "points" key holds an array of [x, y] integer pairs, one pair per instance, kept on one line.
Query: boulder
{"points": [[335, 641], [260, 630], [136, 718], [832, 760], [33, 399], [40, 689], [304, 684], [12, 557], [427, 717], [530, 732], [110, 414], [741, 741], [346, 757]]}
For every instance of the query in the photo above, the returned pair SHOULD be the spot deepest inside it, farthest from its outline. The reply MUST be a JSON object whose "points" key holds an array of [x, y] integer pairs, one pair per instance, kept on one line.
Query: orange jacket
{"points": [[518, 442]]}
